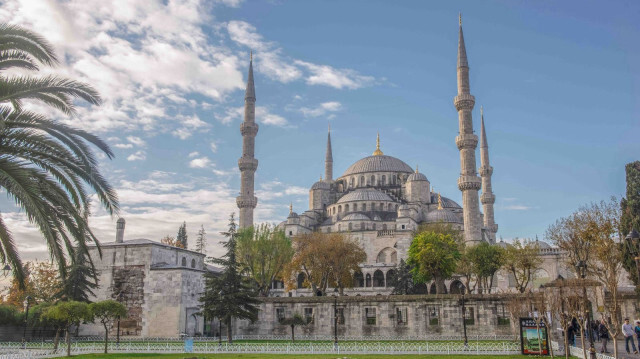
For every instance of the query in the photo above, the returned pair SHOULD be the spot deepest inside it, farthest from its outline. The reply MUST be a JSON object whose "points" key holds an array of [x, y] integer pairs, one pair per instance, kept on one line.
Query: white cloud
{"points": [[123, 145], [517, 207], [214, 147], [263, 115], [194, 154], [136, 141], [336, 78], [138, 156], [201, 162], [321, 109]]}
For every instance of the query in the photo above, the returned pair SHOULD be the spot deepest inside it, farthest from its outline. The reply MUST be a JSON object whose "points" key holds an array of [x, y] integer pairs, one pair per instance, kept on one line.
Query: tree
{"points": [[171, 241], [263, 252], [325, 259], [106, 312], [229, 294], [433, 256], [522, 259], [466, 269], [630, 218], [403, 281], [81, 280], [40, 283], [182, 237], [294, 321], [46, 166], [68, 313], [486, 260], [201, 241]]}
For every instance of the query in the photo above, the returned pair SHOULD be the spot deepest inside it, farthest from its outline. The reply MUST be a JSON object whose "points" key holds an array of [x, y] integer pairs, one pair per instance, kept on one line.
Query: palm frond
{"points": [[14, 58], [15, 37], [8, 253]]}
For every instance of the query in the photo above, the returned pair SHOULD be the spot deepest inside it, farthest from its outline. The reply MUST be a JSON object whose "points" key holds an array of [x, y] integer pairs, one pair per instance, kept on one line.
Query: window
{"points": [[361, 181], [364, 207], [403, 226], [384, 180], [308, 315], [370, 316], [378, 279], [301, 278], [469, 316], [368, 280], [351, 182], [503, 316], [291, 233], [184, 261], [384, 227], [350, 226], [340, 209], [374, 226], [373, 180], [434, 315], [358, 279], [401, 315], [346, 208], [362, 226], [279, 314], [193, 263], [340, 315]]}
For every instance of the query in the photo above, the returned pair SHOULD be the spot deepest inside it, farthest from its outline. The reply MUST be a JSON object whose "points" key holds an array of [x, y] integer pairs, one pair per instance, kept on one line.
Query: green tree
{"points": [[106, 312], [630, 219], [229, 294], [486, 260], [466, 268], [201, 241], [293, 322], [182, 237], [522, 259], [46, 166], [433, 256], [68, 314], [263, 252], [9, 315], [81, 280], [403, 281]]}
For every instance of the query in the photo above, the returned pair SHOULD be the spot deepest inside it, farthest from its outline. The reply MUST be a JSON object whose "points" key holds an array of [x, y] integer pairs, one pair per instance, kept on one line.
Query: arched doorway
{"points": [[391, 278], [358, 279], [378, 278], [456, 287]]}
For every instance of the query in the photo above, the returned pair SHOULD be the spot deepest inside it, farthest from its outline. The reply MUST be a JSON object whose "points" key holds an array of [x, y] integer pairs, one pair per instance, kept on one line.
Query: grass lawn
{"points": [[290, 356]]}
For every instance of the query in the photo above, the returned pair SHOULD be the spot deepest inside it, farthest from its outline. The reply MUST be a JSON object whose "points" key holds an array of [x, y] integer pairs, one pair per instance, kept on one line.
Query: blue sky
{"points": [[559, 83]]}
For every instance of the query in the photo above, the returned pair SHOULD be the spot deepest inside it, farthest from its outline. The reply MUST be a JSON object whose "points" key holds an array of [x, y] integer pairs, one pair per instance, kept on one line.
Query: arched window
{"points": [[355, 207], [391, 278], [346, 208], [368, 281], [373, 180], [374, 226], [339, 208], [373, 206], [383, 180], [351, 182], [358, 279], [193, 263], [384, 226], [362, 228], [390, 207], [364, 207], [378, 278], [396, 208], [184, 261], [381, 206], [350, 226], [456, 287], [362, 181], [300, 281], [395, 180]]}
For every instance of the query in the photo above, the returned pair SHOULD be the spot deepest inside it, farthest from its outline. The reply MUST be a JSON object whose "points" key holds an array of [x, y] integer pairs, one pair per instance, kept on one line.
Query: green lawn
{"points": [[289, 356]]}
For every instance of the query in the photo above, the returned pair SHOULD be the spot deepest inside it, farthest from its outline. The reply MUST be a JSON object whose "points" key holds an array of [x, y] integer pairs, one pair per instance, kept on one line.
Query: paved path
{"points": [[622, 353]]}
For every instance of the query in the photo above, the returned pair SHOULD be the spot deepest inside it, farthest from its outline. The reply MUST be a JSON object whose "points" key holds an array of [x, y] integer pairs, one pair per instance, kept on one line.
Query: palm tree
{"points": [[46, 166]]}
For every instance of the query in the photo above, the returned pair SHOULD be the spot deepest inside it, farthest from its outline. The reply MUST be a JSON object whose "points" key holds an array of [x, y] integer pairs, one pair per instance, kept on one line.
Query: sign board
{"points": [[533, 338], [188, 345]]}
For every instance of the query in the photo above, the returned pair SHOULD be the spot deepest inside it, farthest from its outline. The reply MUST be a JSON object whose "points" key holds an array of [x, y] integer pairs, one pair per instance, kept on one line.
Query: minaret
{"points": [[487, 198], [246, 201], [328, 160], [469, 182]]}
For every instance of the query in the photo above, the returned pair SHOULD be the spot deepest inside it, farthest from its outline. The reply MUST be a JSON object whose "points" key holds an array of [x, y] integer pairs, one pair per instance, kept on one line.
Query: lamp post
{"points": [[26, 316], [632, 238], [220, 322], [464, 314], [119, 298], [581, 269], [335, 318], [6, 270]]}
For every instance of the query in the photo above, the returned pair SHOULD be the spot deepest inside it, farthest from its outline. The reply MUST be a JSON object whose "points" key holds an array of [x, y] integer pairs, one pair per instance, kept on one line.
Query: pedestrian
{"points": [[637, 330], [594, 330], [628, 332], [603, 333], [571, 331]]}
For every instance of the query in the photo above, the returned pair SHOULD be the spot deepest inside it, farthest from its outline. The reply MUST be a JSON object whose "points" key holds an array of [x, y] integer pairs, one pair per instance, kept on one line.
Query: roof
{"points": [[446, 202], [365, 195], [443, 215], [380, 163], [417, 176], [355, 217], [142, 242], [321, 185]]}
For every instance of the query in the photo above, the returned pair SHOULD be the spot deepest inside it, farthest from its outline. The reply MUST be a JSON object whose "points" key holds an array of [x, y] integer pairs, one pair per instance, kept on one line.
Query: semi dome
{"points": [[365, 195], [446, 202], [379, 163], [355, 217], [321, 185], [417, 176], [442, 215]]}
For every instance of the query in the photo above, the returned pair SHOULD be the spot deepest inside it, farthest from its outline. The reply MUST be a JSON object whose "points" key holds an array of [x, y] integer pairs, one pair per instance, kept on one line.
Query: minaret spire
{"points": [[246, 201], [328, 159], [487, 198], [467, 141], [378, 152]]}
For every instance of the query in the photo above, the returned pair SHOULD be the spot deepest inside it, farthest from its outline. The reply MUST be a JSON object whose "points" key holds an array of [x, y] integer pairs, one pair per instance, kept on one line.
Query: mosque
{"points": [[381, 200]]}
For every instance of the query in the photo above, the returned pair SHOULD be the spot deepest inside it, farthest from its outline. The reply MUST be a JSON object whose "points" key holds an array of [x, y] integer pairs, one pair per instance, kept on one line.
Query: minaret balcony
{"points": [[247, 164], [247, 201], [464, 102], [249, 129], [469, 182], [467, 140], [486, 171], [488, 198]]}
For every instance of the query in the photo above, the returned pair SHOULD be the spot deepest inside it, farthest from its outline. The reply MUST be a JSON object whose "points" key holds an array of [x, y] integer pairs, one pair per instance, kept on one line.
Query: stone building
{"points": [[159, 284]]}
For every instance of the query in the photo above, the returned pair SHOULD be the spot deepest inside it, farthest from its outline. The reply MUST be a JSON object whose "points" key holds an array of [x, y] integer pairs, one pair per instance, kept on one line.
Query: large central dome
{"points": [[379, 163]]}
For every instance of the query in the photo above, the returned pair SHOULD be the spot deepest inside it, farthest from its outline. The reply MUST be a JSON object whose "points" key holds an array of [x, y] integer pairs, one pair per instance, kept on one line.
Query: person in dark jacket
{"points": [[603, 332]]}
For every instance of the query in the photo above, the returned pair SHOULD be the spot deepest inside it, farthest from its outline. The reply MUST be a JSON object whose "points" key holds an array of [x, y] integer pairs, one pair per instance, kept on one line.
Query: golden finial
{"points": [[377, 152], [290, 207], [250, 55], [439, 201], [460, 18], [416, 168]]}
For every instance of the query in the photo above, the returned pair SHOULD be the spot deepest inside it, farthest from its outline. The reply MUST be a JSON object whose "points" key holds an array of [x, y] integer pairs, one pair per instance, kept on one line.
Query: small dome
{"points": [[365, 195], [120, 220], [321, 185], [542, 245], [417, 176], [293, 215], [446, 202], [442, 215], [380, 163], [355, 217]]}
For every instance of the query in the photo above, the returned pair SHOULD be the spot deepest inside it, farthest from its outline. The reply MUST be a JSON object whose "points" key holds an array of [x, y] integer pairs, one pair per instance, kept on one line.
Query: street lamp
{"points": [[26, 316], [220, 323], [464, 314], [6, 270], [581, 270], [335, 318], [632, 238]]}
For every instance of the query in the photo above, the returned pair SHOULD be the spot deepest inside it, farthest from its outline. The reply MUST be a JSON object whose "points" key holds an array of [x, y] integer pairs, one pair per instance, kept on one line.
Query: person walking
{"points": [[637, 330], [603, 333], [628, 332]]}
